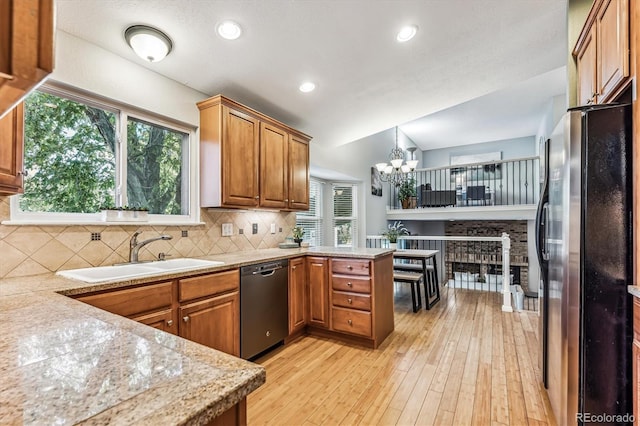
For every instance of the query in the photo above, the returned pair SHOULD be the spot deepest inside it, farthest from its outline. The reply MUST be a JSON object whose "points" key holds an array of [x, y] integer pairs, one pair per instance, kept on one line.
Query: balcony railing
{"points": [[496, 183], [474, 263]]}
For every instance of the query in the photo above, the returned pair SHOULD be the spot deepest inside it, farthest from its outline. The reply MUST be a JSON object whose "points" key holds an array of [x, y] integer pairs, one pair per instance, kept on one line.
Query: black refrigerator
{"points": [[585, 252]]}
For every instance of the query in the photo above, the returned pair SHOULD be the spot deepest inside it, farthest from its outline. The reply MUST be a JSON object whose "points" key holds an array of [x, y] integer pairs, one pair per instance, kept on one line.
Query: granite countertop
{"points": [[634, 290], [66, 362]]}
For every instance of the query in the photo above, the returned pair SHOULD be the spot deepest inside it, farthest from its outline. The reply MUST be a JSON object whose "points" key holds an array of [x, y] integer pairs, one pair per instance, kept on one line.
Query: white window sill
{"points": [[96, 223]]}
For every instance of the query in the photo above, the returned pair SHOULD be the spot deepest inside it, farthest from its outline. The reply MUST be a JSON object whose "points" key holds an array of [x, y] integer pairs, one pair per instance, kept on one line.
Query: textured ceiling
{"points": [[366, 81]]}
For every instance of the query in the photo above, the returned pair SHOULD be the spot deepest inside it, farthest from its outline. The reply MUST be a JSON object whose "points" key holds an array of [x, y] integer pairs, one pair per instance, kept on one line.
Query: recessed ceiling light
{"points": [[229, 30], [307, 87], [149, 43], [406, 33]]}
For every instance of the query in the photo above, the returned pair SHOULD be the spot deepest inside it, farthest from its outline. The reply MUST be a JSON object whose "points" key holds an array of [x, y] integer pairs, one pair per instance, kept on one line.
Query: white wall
{"points": [[356, 159], [86, 66], [510, 148]]}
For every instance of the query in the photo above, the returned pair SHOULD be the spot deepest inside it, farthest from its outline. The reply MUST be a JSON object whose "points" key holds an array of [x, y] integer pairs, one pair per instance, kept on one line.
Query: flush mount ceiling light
{"points": [[229, 30], [149, 43], [307, 87], [406, 33]]}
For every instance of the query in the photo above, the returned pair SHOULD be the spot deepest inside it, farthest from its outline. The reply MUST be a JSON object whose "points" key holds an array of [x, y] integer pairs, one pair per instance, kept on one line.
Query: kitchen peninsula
{"points": [[69, 362]]}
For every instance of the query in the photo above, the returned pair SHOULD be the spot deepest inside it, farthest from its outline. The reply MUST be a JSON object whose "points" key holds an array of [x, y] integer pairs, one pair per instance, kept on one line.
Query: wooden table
{"points": [[431, 287]]}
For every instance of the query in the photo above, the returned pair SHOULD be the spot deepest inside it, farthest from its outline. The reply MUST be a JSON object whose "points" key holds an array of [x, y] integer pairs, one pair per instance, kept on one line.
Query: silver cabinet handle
{"points": [[294, 268], [169, 323], [349, 301], [349, 284], [257, 197], [349, 322], [349, 267], [185, 319]]}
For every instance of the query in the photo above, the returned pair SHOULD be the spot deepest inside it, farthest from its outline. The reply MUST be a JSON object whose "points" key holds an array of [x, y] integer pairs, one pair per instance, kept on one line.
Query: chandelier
{"points": [[397, 173]]}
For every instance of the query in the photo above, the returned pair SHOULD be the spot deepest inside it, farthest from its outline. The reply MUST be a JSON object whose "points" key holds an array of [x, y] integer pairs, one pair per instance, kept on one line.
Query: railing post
{"points": [[506, 276]]}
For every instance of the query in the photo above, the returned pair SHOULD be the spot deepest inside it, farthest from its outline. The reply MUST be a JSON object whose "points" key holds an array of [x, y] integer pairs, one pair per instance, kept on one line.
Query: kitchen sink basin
{"points": [[185, 263], [125, 271]]}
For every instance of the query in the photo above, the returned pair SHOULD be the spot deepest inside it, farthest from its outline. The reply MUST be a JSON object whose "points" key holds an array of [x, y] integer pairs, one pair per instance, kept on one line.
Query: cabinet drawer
{"points": [[351, 300], [351, 283], [208, 285], [351, 321], [132, 301], [350, 266]]}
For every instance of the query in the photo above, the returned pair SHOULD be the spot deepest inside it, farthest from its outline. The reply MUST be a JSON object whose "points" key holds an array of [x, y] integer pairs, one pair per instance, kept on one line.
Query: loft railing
{"points": [[495, 183], [474, 263]]}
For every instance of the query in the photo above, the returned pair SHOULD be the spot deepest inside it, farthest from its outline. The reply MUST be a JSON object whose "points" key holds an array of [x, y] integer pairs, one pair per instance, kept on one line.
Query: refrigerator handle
{"points": [[542, 231], [545, 236]]}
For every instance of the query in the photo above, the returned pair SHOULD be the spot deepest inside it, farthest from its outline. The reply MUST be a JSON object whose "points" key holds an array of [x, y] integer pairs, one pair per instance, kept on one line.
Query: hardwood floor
{"points": [[462, 362]]}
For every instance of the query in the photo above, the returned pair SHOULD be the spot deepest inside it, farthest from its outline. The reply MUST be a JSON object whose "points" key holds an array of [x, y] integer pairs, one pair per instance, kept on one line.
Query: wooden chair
{"points": [[413, 279]]}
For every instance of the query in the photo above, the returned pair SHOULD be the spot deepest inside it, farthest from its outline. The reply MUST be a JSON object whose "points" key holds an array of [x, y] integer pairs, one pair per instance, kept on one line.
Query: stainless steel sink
{"points": [[119, 272]]}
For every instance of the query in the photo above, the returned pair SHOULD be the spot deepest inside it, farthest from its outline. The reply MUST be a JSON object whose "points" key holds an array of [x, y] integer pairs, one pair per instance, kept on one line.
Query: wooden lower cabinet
{"points": [[213, 322], [234, 416], [162, 320], [357, 296], [636, 361], [318, 284], [297, 295]]}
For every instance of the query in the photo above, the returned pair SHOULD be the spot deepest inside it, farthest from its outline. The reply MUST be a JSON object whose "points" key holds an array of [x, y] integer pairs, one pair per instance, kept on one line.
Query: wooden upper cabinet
{"points": [[26, 48], [240, 158], [612, 23], [298, 173], [602, 52], [250, 160], [273, 167], [11, 145], [586, 60]]}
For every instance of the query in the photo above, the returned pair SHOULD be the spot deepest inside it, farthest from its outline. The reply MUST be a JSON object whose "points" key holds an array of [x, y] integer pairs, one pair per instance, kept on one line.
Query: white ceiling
{"points": [[366, 81]]}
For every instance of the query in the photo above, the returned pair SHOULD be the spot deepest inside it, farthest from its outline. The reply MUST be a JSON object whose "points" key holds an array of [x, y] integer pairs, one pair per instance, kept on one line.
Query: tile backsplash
{"points": [[29, 250]]}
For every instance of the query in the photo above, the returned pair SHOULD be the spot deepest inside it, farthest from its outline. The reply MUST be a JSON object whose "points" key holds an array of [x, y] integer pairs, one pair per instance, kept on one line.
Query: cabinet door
{"points": [[213, 322], [318, 270], [586, 61], [11, 145], [636, 379], [134, 301], [298, 174], [273, 166], [240, 154], [162, 320], [612, 23], [297, 296], [26, 48]]}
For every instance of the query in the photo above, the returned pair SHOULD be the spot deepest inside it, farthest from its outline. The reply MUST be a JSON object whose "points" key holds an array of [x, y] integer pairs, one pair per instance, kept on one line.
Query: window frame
{"points": [[123, 113], [318, 218], [354, 210]]}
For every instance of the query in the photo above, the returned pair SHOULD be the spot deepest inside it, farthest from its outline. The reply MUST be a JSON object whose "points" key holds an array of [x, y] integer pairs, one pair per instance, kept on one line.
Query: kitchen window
{"points": [[344, 215], [83, 154], [311, 220]]}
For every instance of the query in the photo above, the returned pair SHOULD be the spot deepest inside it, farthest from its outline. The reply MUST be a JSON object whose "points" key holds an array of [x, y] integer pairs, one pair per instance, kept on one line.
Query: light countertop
{"points": [[66, 362]]}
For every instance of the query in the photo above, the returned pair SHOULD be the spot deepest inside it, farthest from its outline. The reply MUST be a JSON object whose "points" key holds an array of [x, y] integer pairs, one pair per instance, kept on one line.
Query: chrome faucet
{"points": [[135, 246]]}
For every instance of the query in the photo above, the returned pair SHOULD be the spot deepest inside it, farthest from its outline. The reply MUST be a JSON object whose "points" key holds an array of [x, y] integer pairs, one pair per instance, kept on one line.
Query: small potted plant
{"points": [[407, 194], [393, 232], [298, 233]]}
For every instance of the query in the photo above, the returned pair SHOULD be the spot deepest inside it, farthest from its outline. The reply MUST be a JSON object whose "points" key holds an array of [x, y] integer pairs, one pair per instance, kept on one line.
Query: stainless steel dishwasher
{"points": [[264, 306]]}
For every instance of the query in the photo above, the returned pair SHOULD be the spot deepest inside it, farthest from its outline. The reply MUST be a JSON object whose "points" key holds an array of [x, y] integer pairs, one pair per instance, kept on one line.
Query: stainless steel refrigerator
{"points": [[585, 253]]}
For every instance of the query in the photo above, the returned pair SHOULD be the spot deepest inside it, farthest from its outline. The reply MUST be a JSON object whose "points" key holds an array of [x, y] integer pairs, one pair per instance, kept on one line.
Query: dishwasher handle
{"points": [[267, 272]]}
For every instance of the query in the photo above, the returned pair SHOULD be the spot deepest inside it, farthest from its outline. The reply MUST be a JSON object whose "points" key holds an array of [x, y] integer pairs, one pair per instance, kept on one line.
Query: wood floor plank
{"points": [[462, 362]]}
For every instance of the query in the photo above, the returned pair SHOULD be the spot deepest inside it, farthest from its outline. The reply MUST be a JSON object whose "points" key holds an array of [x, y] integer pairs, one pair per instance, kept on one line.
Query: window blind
{"points": [[345, 215], [311, 220]]}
